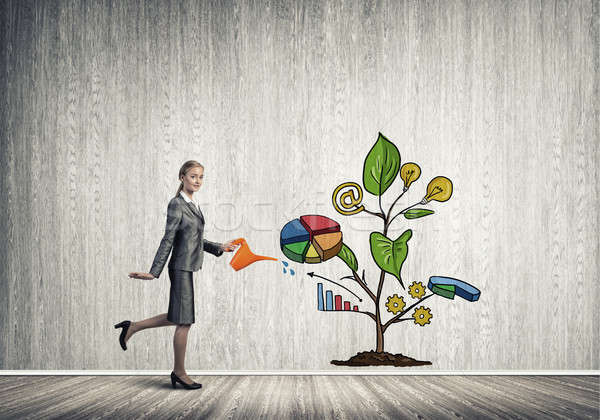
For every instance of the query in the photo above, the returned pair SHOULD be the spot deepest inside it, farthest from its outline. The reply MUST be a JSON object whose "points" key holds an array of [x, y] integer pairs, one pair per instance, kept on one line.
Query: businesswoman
{"points": [[184, 234]]}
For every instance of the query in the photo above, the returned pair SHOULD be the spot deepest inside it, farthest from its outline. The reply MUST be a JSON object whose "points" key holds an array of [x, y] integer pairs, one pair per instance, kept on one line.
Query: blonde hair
{"points": [[183, 170]]}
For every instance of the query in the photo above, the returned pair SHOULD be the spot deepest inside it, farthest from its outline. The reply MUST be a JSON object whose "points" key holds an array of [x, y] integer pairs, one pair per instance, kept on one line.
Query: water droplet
{"points": [[285, 263], [284, 270], [292, 272]]}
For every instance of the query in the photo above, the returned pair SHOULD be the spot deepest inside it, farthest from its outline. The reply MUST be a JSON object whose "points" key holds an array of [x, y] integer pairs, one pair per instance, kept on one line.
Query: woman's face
{"points": [[192, 180]]}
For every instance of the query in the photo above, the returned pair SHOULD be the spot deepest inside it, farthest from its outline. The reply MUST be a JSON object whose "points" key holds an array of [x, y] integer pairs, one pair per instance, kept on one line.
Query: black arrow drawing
{"points": [[312, 274]]}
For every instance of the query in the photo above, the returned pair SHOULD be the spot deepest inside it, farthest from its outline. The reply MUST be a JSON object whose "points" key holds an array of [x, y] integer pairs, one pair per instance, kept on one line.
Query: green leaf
{"points": [[390, 255], [381, 166], [348, 257], [416, 213]]}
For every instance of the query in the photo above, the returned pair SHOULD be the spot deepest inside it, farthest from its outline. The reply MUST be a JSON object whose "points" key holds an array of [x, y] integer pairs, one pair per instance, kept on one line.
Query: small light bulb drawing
{"points": [[409, 173], [438, 189]]}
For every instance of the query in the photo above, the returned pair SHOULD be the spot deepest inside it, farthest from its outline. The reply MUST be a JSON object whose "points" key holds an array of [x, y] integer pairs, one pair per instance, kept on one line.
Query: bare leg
{"points": [[179, 345], [156, 321]]}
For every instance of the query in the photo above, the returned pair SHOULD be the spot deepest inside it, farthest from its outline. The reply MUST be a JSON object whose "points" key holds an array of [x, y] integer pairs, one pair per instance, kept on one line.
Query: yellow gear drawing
{"points": [[395, 304], [416, 290], [422, 315]]}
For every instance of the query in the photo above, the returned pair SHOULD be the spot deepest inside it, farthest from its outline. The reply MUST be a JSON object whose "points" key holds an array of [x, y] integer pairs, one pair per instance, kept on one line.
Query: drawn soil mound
{"points": [[372, 358]]}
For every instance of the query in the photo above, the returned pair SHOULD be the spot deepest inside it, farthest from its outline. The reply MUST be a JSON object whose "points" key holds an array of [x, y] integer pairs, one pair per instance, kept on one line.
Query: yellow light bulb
{"points": [[438, 189], [409, 173]]}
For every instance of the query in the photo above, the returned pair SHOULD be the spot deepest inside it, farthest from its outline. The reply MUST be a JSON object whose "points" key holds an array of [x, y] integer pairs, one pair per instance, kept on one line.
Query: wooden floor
{"points": [[282, 397]]}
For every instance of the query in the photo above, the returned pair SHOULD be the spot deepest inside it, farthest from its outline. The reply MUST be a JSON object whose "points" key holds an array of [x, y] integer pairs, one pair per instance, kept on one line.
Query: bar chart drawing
{"points": [[332, 302], [320, 296]]}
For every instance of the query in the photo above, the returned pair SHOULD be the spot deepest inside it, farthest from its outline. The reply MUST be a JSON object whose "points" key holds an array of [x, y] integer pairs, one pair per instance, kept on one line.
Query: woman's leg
{"points": [[179, 345], [156, 321]]}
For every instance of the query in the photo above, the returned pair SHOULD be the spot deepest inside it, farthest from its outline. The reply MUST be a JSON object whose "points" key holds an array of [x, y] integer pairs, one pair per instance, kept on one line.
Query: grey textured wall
{"points": [[281, 101]]}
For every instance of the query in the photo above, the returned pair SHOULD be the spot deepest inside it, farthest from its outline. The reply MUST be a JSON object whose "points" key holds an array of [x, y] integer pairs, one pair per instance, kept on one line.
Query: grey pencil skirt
{"points": [[181, 297]]}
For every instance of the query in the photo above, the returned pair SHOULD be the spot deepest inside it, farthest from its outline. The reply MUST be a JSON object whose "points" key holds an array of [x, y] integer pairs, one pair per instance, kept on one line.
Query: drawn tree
{"points": [[381, 168]]}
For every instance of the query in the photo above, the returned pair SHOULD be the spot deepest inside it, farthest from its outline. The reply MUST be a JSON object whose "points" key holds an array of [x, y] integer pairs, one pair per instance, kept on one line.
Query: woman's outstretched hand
{"points": [[142, 276], [229, 246]]}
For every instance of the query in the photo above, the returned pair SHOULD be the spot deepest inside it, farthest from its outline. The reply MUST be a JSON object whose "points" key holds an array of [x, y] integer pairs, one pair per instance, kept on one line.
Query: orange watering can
{"points": [[244, 257]]}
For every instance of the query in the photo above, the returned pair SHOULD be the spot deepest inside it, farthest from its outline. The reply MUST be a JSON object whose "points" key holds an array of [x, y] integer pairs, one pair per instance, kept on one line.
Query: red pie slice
{"points": [[317, 225]]}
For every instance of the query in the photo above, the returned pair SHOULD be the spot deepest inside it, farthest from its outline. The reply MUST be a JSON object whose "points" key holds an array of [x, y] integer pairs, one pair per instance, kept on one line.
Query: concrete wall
{"points": [[281, 101]]}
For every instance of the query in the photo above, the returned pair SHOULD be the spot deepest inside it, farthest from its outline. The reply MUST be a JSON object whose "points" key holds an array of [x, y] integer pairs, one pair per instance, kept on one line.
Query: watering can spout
{"points": [[244, 257]]}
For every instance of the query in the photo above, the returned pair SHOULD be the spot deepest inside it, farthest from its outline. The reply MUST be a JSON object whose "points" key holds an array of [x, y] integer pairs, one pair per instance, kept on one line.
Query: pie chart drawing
{"points": [[448, 287], [311, 239]]}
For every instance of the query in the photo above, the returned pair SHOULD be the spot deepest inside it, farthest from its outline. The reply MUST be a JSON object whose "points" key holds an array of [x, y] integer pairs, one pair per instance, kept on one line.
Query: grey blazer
{"points": [[184, 233]]}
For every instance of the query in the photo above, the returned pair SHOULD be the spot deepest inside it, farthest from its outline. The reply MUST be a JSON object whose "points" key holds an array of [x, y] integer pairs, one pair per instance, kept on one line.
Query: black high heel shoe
{"points": [[175, 378], [125, 325]]}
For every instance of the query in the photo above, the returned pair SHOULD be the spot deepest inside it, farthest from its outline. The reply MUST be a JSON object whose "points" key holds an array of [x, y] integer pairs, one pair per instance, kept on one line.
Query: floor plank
{"points": [[287, 397]]}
